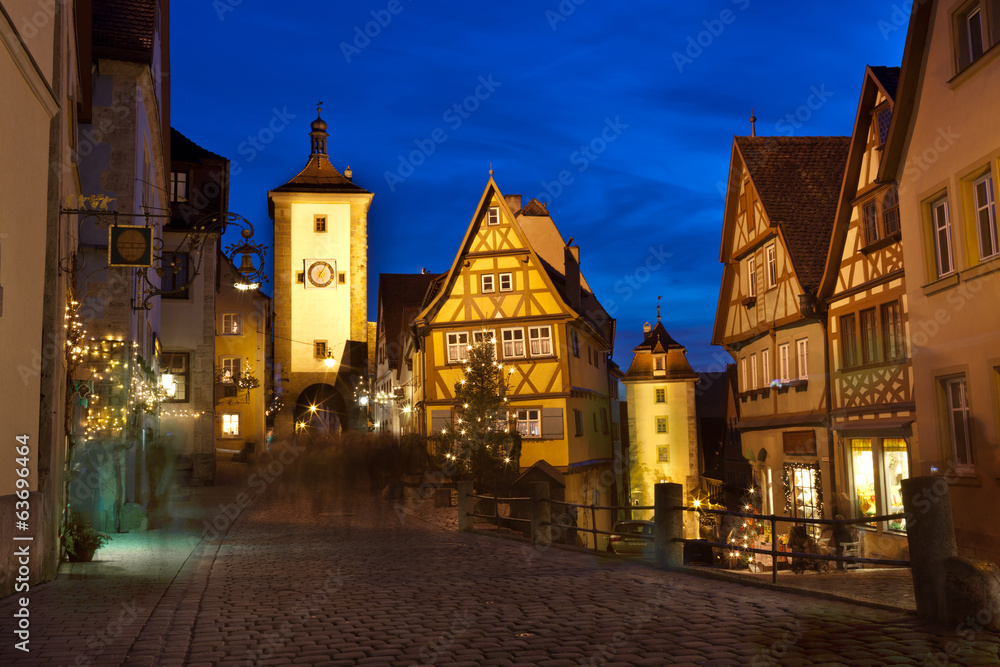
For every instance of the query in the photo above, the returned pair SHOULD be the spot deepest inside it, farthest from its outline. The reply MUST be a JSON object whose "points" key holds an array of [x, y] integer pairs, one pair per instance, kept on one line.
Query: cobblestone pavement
{"points": [[323, 579]]}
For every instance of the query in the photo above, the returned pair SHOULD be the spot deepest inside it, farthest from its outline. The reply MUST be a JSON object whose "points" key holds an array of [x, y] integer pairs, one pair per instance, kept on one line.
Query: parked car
{"points": [[632, 538]]}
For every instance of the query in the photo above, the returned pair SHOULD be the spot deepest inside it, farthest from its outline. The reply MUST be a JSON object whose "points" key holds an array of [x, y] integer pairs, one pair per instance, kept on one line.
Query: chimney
{"points": [[514, 202], [646, 328], [572, 272]]}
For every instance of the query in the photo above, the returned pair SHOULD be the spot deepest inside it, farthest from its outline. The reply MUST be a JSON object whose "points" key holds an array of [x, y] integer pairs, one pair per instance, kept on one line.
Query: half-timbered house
{"points": [[780, 206], [517, 283], [864, 290]]}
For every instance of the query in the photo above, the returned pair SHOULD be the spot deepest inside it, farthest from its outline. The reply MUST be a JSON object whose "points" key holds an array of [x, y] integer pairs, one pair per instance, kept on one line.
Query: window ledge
{"points": [[883, 242], [901, 361], [988, 265], [940, 284], [973, 67], [965, 478]]}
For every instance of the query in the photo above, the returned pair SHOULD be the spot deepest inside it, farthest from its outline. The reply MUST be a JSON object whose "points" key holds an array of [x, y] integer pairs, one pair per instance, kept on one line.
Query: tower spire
{"points": [[318, 134], [753, 123], [658, 308]]}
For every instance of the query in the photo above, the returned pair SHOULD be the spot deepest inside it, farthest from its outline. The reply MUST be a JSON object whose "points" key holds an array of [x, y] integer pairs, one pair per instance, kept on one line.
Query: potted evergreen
{"points": [[82, 540]]}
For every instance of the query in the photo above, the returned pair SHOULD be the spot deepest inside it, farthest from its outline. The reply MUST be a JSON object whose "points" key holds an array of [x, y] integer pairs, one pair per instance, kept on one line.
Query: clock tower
{"points": [[320, 293]]}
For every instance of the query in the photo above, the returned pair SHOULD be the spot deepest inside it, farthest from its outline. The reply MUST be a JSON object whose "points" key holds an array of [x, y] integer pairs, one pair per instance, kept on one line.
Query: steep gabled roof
{"points": [[183, 149], [876, 79], [397, 293], [657, 340], [887, 77], [798, 180], [123, 26]]}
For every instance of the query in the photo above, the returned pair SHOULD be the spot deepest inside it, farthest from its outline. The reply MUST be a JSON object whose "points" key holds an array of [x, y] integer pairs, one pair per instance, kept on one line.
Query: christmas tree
{"points": [[482, 441], [747, 532]]}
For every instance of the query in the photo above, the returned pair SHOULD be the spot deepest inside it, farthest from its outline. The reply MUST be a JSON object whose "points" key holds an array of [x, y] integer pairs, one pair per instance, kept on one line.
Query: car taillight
{"points": [[616, 538]]}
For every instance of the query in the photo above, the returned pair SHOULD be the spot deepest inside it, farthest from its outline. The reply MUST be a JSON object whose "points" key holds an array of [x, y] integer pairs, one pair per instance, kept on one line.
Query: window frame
{"points": [[753, 371], [574, 339], [487, 283], [510, 282], [578, 422], [784, 361], [869, 221], [513, 342], [969, 464], [493, 216], [175, 185], [527, 421], [936, 206], [660, 420], [802, 357], [320, 223], [744, 374], [168, 367], [660, 395], [752, 275], [461, 348], [893, 340], [226, 360], [889, 210], [850, 351], [771, 263], [663, 453], [326, 349], [226, 328], [222, 426], [989, 208], [765, 362], [541, 340], [869, 330]]}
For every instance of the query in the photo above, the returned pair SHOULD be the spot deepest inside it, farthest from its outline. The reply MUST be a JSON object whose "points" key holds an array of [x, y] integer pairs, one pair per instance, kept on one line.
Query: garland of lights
{"points": [[788, 487]]}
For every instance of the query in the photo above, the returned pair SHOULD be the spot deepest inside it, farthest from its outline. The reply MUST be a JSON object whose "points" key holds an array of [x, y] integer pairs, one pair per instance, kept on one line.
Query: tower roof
{"points": [[319, 174], [658, 342]]}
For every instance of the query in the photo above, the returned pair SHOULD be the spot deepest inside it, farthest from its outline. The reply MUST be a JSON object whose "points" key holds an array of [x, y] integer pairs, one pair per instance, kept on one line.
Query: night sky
{"points": [[633, 106]]}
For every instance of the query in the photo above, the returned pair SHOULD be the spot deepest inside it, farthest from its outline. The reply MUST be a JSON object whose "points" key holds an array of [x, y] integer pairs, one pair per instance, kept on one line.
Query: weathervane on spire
{"points": [[491, 169], [319, 107], [658, 308], [753, 123]]}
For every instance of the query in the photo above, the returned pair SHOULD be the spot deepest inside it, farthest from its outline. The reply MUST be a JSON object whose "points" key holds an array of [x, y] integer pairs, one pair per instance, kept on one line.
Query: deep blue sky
{"points": [[675, 80]]}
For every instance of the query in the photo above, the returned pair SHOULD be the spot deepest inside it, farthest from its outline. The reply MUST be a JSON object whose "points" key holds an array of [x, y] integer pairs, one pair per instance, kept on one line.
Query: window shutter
{"points": [[439, 420], [552, 423]]}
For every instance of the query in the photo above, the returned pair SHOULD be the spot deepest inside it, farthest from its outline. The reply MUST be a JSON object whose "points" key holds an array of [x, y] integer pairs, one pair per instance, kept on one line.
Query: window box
{"points": [[749, 301]]}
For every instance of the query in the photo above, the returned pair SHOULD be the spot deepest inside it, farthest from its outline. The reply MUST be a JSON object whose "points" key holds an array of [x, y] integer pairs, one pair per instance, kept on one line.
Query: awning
{"points": [[898, 424]]}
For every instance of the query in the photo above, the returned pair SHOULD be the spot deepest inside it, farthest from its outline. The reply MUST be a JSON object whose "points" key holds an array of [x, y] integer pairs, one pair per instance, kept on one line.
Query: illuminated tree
{"points": [[482, 441]]}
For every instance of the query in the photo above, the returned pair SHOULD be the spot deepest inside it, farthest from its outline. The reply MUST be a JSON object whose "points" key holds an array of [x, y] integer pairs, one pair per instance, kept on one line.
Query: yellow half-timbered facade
{"points": [[872, 405], [781, 202], [517, 284]]}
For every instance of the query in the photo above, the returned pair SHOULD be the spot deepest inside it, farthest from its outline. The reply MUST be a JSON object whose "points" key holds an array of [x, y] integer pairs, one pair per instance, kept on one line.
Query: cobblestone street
{"points": [[324, 579]]}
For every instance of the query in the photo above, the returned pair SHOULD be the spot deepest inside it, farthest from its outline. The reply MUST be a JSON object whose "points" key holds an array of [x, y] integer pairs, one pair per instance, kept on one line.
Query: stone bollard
{"points": [[541, 514], [668, 525], [930, 533], [465, 505]]}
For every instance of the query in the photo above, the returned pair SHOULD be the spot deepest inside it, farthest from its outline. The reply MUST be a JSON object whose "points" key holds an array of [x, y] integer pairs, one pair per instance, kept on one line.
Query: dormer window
{"points": [[658, 365], [493, 217], [880, 119]]}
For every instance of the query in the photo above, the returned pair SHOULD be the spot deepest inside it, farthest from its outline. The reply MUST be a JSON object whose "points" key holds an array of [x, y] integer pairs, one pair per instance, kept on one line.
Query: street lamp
{"points": [[329, 361]]}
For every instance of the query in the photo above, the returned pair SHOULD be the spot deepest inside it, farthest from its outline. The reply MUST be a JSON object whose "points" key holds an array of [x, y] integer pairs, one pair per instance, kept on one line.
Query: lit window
{"points": [[752, 275], [230, 324], [493, 217], [178, 186], [230, 425], [178, 365], [319, 223], [661, 395], [487, 283], [458, 347], [958, 422], [771, 256], [528, 424], [784, 361], [802, 348], [513, 343], [540, 340], [230, 369], [661, 424], [986, 216], [803, 494], [942, 237], [663, 454], [896, 465], [863, 468], [506, 282]]}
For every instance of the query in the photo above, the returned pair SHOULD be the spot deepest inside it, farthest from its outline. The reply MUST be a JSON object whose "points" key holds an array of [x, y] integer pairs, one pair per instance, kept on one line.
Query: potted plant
{"points": [[82, 540]]}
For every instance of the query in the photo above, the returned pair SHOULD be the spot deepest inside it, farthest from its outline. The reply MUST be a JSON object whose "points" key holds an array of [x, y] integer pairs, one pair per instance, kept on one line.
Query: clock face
{"points": [[320, 274]]}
